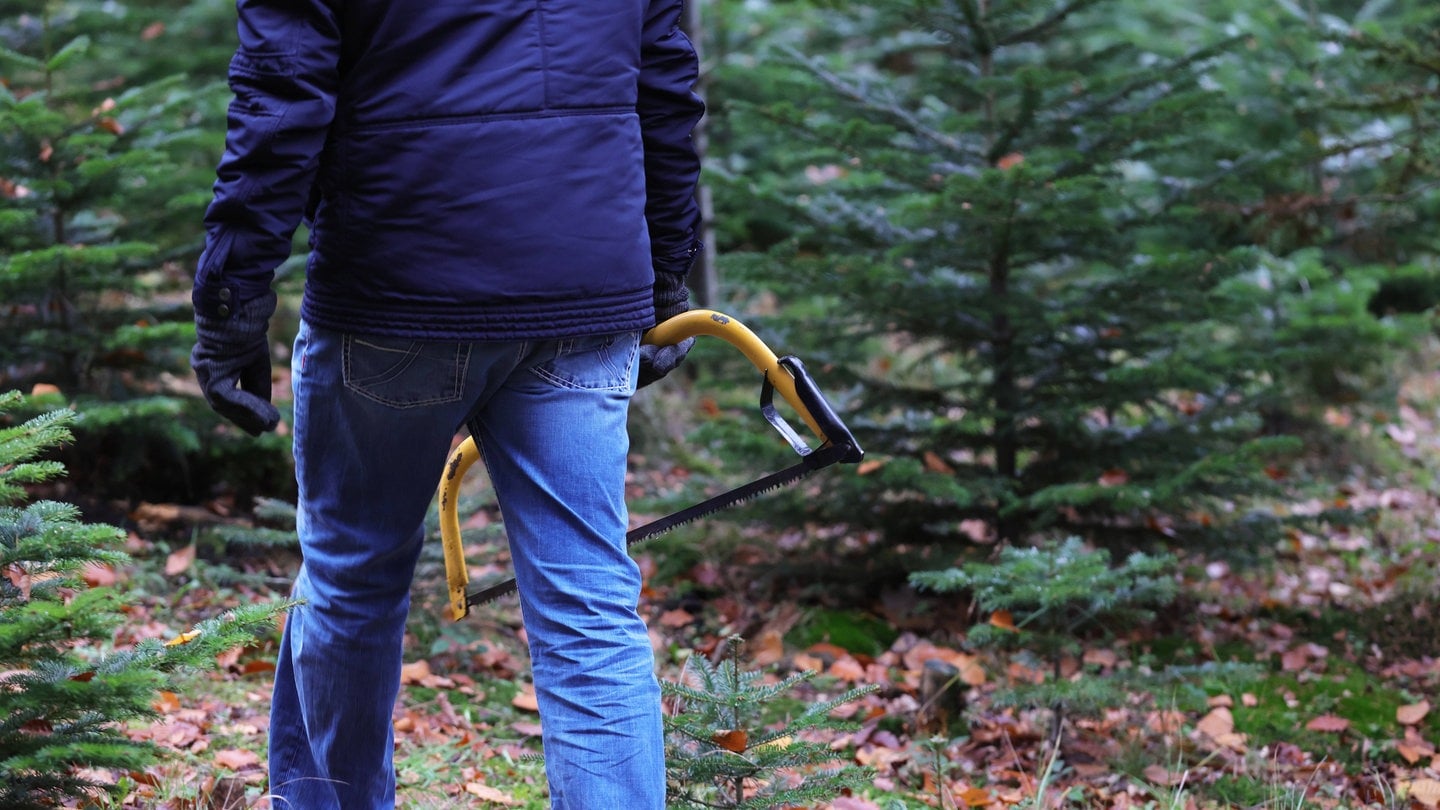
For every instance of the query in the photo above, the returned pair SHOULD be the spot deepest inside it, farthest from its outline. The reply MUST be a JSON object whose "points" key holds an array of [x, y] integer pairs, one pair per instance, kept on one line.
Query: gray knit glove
{"points": [[672, 298], [231, 359]]}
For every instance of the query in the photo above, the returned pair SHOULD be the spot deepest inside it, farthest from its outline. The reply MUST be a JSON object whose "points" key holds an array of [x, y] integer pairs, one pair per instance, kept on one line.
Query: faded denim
{"points": [[374, 420]]}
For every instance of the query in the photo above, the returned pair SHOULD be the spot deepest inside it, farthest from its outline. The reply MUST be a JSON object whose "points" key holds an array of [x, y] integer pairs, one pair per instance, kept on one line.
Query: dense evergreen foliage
{"points": [[1049, 601], [725, 748], [110, 125], [97, 183], [64, 699], [1030, 228]]}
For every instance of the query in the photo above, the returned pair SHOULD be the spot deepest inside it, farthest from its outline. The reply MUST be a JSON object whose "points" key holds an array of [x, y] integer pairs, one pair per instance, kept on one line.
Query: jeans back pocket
{"points": [[405, 372], [592, 363]]}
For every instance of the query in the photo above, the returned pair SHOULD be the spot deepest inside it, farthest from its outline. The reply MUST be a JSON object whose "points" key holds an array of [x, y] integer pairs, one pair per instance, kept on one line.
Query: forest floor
{"points": [[1336, 709]]}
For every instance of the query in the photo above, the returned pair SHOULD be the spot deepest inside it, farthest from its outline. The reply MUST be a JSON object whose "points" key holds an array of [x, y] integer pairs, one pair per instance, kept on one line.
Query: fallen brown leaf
{"points": [[853, 803], [1425, 791], [1219, 726], [228, 658], [1413, 713], [1003, 620], [1101, 658], [1219, 721], [731, 740], [237, 759], [679, 617], [1412, 753], [166, 702], [414, 672], [1158, 774], [98, 575], [768, 649], [976, 797], [1010, 161], [225, 793], [1295, 659], [934, 463], [179, 560], [487, 793], [1328, 723], [20, 578], [525, 700], [847, 669]]}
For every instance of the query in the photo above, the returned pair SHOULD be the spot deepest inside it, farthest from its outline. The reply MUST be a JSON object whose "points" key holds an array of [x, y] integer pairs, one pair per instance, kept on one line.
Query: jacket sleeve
{"points": [[669, 109], [284, 77]]}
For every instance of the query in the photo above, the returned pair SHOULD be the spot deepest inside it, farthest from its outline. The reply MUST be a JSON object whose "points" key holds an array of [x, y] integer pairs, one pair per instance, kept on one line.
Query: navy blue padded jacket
{"points": [[487, 169]]}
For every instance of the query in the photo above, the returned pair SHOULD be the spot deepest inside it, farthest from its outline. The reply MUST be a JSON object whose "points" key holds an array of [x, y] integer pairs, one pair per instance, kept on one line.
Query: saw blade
{"points": [[823, 457]]}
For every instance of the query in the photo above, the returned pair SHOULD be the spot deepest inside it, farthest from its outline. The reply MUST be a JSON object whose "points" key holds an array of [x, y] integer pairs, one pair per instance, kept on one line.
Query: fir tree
{"points": [[62, 700], [106, 161], [1010, 205], [723, 752], [79, 166], [1049, 602]]}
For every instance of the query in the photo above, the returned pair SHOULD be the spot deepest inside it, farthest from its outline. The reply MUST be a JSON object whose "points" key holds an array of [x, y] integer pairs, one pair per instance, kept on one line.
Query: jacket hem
{"points": [[509, 321]]}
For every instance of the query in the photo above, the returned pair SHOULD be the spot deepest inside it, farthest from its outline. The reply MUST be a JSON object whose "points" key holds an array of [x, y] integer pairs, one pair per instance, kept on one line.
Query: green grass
{"points": [[436, 775]]}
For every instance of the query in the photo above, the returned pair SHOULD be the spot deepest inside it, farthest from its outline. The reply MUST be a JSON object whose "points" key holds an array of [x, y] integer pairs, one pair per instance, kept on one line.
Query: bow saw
{"points": [[785, 375]]}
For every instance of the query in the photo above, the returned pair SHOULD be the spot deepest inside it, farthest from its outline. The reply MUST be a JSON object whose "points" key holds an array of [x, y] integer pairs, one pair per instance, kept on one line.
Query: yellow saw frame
{"points": [[785, 375]]}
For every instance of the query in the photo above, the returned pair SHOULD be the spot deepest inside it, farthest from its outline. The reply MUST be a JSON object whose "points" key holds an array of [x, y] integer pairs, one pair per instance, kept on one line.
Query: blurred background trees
{"points": [[1090, 267], [1108, 270], [111, 121], [1076, 267]]}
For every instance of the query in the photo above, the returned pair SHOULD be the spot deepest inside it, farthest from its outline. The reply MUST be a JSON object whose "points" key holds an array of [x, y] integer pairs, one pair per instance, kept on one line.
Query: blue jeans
{"points": [[374, 420]]}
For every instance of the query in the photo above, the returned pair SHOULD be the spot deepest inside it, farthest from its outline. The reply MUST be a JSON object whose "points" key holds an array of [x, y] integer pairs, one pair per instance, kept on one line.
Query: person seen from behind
{"points": [[499, 198]]}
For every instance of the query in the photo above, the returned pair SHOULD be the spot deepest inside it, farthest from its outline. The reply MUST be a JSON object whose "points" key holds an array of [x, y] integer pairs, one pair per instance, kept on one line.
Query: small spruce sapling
{"points": [[63, 703], [1046, 602], [723, 752]]}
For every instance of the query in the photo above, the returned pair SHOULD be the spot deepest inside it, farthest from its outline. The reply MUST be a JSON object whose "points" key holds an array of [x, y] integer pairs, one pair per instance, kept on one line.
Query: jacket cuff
{"points": [[216, 301], [220, 298], [245, 320]]}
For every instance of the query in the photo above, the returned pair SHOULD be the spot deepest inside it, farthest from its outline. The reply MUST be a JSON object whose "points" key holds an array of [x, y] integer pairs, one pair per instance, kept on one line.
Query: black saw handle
{"points": [[784, 374]]}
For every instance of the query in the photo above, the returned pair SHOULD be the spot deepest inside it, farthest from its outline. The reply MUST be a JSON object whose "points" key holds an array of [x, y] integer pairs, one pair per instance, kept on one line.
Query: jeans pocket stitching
{"points": [[614, 380], [562, 382], [453, 391], [411, 352]]}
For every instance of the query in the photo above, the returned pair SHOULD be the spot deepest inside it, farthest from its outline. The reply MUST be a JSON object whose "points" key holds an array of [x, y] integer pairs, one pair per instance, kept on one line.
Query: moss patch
{"points": [[850, 630], [1287, 702]]}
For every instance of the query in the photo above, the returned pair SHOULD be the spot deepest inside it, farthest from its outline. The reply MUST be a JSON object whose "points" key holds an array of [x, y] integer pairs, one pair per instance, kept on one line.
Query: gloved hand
{"points": [[657, 361], [231, 359], [672, 297]]}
